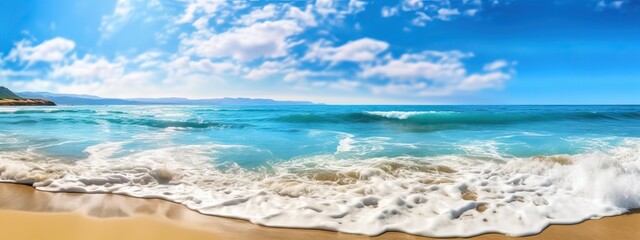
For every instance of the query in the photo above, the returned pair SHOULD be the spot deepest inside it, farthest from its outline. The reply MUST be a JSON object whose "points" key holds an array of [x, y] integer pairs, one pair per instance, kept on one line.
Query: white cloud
{"points": [[443, 10], [305, 17], [52, 50], [267, 12], [202, 71], [206, 7], [432, 65], [411, 5], [389, 11], [361, 50], [617, 4], [184, 66], [421, 19], [121, 15], [201, 24], [89, 68], [226, 46], [393, 88], [480, 81], [345, 85], [268, 69], [356, 6], [294, 75], [432, 73], [496, 65], [445, 14], [286, 70], [325, 7], [33, 85], [100, 76], [471, 12], [270, 39]]}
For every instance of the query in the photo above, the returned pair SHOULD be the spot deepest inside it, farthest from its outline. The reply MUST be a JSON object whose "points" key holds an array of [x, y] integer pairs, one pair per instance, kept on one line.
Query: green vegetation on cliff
{"points": [[8, 98], [6, 93]]}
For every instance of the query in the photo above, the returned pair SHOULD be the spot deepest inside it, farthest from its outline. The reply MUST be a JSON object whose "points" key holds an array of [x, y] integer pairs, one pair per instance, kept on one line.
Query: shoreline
{"points": [[79, 215]]}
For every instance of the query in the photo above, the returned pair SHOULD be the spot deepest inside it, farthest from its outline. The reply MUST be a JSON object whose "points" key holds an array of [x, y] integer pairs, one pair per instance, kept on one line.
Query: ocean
{"points": [[439, 171]]}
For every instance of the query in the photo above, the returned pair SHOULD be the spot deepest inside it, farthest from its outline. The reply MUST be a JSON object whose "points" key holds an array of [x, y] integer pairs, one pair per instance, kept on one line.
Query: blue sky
{"points": [[340, 51]]}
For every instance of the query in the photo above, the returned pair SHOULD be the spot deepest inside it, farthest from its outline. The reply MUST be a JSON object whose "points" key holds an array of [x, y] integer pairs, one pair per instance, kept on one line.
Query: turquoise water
{"points": [[282, 133], [276, 159]]}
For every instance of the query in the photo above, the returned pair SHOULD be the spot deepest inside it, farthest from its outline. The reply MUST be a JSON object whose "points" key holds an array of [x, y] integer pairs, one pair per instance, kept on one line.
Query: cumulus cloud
{"points": [[51, 50], [426, 11], [346, 85], [305, 17], [121, 15], [432, 65], [269, 39], [151, 71], [184, 66], [232, 41], [267, 12], [421, 19], [361, 50], [445, 14], [268, 69], [98, 75], [433, 73], [87, 69], [389, 11], [613, 4], [205, 7], [286, 70], [356, 6], [496, 65], [410, 5]]}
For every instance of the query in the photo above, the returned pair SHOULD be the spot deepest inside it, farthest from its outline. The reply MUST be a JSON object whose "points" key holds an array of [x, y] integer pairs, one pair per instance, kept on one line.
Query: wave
{"points": [[443, 196], [404, 115], [180, 124], [448, 117], [153, 123], [44, 110]]}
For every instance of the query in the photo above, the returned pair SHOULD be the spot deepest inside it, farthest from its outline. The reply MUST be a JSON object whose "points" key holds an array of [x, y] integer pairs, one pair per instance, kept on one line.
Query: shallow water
{"points": [[427, 170]]}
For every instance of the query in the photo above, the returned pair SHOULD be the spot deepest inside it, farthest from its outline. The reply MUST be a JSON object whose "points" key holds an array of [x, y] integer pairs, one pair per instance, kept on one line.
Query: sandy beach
{"points": [[29, 214]]}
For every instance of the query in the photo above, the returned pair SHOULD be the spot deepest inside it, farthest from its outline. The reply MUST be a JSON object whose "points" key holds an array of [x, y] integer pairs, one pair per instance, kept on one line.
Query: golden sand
{"points": [[29, 214]]}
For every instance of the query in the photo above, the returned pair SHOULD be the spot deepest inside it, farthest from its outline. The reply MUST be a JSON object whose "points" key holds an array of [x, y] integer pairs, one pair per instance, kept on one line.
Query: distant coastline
{"points": [[82, 99], [8, 98]]}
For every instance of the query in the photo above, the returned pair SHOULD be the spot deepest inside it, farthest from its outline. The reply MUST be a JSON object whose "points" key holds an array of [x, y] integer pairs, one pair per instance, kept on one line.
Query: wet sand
{"points": [[29, 214]]}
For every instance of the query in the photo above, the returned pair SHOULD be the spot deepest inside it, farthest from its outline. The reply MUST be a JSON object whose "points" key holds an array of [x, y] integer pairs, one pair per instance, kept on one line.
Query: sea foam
{"points": [[441, 196]]}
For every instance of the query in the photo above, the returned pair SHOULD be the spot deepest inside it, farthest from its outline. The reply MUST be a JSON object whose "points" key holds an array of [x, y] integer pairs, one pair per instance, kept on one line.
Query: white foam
{"points": [[345, 144], [402, 114], [9, 109], [364, 196]]}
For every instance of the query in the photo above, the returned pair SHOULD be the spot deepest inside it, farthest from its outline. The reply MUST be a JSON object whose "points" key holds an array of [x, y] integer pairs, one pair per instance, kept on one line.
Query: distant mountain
{"points": [[8, 98], [6, 93], [75, 99]]}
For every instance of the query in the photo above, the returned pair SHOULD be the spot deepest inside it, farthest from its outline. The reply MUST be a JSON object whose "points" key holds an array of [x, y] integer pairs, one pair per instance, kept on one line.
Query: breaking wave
{"points": [[447, 117], [442, 196]]}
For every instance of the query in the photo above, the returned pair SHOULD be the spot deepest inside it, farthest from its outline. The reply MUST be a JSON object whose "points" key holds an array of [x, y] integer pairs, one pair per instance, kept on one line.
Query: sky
{"points": [[327, 51]]}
